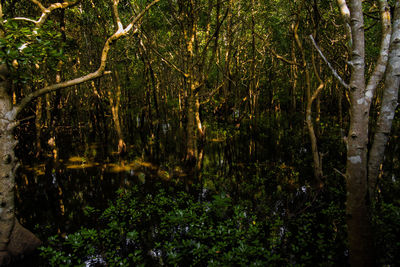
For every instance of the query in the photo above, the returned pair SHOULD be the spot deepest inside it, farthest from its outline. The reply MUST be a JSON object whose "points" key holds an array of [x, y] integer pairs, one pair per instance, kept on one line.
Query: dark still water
{"points": [[78, 170], [78, 167], [51, 196]]}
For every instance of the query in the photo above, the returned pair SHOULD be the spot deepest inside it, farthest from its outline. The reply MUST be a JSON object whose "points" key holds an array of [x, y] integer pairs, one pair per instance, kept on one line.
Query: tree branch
{"points": [[337, 76], [45, 12], [25, 19], [116, 15], [344, 10], [321, 82], [98, 73], [380, 67]]}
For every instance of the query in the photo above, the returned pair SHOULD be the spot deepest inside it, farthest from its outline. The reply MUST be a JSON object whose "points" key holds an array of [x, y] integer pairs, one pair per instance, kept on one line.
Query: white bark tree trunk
{"points": [[7, 165], [9, 226], [388, 106], [357, 205]]}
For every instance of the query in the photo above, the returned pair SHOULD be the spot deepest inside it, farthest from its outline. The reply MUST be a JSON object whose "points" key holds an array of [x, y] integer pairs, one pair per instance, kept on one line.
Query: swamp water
{"points": [[54, 193]]}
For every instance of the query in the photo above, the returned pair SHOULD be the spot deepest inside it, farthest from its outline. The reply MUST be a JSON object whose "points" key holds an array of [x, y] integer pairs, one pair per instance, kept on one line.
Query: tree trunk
{"points": [[7, 178], [388, 107], [317, 156], [191, 139], [9, 227], [317, 160], [357, 211], [115, 111], [38, 126]]}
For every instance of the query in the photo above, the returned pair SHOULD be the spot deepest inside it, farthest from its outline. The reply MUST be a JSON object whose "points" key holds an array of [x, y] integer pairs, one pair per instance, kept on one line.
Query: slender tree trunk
{"points": [[228, 42], [317, 160], [294, 77], [191, 87], [253, 88], [191, 139], [388, 106], [358, 217], [201, 139], [317, 156], [114, 105], [38, 126]]}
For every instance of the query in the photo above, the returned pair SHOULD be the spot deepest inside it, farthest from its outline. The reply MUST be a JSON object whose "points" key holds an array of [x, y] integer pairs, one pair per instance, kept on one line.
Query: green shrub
{"points": [[174, 228]]}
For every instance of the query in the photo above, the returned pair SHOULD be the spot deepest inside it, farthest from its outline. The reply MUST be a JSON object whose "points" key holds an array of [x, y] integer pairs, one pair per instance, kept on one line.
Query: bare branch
{"points": [[25, 19], [337, 76], [45, 12], [212, 93], [116, 15], [96, 74], [380, 67], [344, 10], [321, 82]]}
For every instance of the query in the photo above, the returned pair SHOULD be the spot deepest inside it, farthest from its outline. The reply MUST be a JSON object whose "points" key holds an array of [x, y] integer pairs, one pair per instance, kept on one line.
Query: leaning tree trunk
{"points": [[14, 239]]}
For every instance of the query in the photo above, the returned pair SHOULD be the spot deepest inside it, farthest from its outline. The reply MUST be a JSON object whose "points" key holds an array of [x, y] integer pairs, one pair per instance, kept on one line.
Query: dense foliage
{"points": [[173, 228]]}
